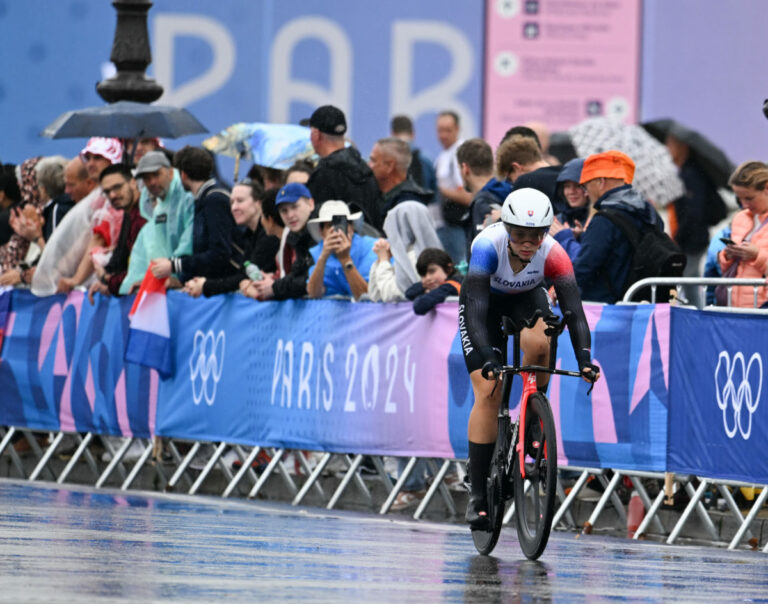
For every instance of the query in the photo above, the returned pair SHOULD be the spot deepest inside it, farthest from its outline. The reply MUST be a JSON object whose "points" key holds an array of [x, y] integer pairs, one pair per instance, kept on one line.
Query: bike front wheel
{"points": [[535, 495], [498, 477]]}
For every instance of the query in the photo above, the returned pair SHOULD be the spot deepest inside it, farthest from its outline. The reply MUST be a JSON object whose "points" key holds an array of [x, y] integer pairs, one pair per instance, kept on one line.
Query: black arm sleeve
{"points": [[473, 305], [570, 300]]}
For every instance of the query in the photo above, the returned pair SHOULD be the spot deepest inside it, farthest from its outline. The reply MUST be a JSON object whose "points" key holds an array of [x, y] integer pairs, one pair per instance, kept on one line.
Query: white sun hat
{"points": [[328, 210]]}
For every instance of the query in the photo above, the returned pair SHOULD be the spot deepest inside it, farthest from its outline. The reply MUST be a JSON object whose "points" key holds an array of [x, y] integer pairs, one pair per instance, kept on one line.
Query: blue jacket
{"points": [[334, 279], [604, 261]]}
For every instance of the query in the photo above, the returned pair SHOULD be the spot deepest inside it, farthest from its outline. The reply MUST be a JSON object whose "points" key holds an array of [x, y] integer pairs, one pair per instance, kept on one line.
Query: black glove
{"points": [[592, 373], [492, 366]]}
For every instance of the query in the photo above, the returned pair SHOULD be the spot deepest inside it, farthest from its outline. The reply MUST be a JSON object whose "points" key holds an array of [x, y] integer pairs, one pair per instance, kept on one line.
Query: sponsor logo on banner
{"points": [[206, 364], [738, 386]]}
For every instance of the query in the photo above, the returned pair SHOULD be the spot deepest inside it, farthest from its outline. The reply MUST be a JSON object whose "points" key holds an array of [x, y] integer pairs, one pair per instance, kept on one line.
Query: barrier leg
{"points": [[283, 471], [79, 452], [398, 485], [735, 511], [436, 484], [316, 473], [561, 496], [692, 505], [115, 462], [15, 459], [36, 449], [759, 501], [266, 473], [701, 511], [180, 471], [650, 515], [249, 459], [602, 503], [360, 484], [145, 455], [307, 471], [217, 452], [637, 483], [570, 498], [46, 457], [345, 482], [378, 463]]}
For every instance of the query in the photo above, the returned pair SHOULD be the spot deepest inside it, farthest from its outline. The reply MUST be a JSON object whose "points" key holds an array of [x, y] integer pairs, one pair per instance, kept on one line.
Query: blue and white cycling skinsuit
{"points": [[492, 290]]}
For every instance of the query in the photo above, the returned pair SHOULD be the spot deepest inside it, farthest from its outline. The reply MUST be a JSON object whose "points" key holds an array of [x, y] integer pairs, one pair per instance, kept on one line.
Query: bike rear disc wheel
{"points": [[485, 539], [535, 505]]}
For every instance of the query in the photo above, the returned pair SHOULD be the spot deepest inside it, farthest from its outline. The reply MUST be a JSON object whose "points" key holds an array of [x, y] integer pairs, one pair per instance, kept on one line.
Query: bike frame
{"points": [[528, 373]]}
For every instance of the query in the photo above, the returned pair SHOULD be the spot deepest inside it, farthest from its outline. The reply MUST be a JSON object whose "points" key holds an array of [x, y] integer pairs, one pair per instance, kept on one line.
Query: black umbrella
{"points": [[125, 119], [710, 158]]}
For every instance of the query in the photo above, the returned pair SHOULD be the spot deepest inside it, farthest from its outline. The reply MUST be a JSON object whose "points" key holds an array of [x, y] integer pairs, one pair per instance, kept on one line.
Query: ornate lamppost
{"points": [[131, 55]]}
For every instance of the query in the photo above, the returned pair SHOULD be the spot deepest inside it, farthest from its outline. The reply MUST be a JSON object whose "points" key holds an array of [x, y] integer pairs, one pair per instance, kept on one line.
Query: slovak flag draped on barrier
{"points": [[149, 336]]}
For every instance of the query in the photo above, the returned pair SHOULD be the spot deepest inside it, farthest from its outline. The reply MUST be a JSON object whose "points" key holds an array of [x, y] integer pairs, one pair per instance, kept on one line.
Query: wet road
{"points": [[87, 545]]}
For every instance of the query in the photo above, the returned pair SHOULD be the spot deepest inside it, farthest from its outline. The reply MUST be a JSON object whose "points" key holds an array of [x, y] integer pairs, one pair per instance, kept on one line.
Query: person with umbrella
{"points": [[703, 168]]}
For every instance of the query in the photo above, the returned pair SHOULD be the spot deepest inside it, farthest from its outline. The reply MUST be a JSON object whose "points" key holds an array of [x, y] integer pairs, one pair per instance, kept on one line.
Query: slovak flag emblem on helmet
{"points": [[530, 212]]}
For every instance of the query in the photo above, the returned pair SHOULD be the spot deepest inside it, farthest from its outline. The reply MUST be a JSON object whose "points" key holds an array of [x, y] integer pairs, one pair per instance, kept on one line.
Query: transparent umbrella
{"points": [[275, 146], [655, 174]]}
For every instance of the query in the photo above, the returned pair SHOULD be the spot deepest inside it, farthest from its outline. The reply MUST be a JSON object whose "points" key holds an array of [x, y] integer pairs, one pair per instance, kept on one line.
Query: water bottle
{"points": [[254, 272]]}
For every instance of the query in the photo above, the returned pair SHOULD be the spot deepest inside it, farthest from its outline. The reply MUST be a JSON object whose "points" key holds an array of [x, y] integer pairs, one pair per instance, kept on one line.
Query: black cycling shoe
{"points": [[477, 512]]}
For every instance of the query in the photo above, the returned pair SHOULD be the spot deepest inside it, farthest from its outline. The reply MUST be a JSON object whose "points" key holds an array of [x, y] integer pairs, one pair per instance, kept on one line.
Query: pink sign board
{"points": [[560, 61]]}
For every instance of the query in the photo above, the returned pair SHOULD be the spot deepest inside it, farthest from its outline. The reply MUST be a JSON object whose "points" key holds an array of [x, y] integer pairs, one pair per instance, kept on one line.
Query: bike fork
{"points": [[529, 387]]}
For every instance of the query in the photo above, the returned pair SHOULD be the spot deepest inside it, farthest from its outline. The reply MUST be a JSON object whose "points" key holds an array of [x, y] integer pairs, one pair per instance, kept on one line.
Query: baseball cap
{"points": [[609, 164], [108, 148], [329, 120], [291, 193], [152, 162]]}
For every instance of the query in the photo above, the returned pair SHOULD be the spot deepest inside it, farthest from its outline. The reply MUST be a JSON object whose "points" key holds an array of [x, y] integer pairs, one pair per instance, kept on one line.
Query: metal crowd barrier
{"points": [[679, 282], [704, 483], [174, 473]]}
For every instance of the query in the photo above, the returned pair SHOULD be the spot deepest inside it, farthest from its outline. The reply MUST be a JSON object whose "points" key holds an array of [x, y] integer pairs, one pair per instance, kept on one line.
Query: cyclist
{"points": [[509, 263]]}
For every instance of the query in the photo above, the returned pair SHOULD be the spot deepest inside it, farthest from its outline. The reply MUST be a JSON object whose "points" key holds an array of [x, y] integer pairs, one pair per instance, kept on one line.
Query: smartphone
{"points": [[340, 223], [727, 241]]}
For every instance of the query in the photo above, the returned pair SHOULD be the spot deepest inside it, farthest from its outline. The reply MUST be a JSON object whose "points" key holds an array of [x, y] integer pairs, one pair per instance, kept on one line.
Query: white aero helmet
{"points": [[527, 208]]}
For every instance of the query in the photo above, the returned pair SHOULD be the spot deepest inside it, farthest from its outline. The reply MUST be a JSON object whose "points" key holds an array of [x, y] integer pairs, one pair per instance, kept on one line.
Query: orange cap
{"points": [[610, 164]]}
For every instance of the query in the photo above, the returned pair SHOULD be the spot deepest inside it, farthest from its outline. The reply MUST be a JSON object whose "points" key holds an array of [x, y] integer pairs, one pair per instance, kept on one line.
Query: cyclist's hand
{"points": [[491, 370], [590, 373]]}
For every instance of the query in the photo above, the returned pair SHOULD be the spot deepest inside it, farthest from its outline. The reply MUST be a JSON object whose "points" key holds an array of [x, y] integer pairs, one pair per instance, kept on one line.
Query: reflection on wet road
{"points": [[91, 545]]}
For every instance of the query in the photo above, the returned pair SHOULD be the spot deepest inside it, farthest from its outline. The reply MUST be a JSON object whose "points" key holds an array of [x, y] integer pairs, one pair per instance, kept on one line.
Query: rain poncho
{"points": [[168, 231], [65, 248]]}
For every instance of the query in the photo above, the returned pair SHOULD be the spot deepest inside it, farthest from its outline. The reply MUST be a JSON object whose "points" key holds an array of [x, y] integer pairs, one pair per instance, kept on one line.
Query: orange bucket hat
{"points": [[610, 164]]}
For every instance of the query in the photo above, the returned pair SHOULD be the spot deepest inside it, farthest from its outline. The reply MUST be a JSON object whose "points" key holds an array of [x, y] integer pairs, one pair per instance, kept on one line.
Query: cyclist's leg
{"points": [[535, 346], [481, 431], [534, 343], [483, 423]]}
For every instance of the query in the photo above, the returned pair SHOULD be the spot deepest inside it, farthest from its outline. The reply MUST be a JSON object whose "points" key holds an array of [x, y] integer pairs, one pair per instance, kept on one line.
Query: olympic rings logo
{"points": [[206, 364], [735, 384]]}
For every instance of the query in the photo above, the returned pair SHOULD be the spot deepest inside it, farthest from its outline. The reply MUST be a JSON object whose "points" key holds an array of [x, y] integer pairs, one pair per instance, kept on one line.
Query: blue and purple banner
{"points": [[309, 374], [375, 378], [718, 422], [623, 423], [62, 368]]}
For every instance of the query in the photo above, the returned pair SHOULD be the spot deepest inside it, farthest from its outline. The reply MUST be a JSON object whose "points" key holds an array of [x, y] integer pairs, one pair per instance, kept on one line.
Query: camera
{"points": [[340, 222]]}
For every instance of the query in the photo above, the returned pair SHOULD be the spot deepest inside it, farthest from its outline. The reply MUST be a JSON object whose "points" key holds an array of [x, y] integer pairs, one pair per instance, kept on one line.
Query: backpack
{"points": [[654, 254]]}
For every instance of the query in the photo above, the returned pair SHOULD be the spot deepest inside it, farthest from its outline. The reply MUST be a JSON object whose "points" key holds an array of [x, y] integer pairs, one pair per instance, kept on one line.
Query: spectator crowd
{"points": [[395, 227]]}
